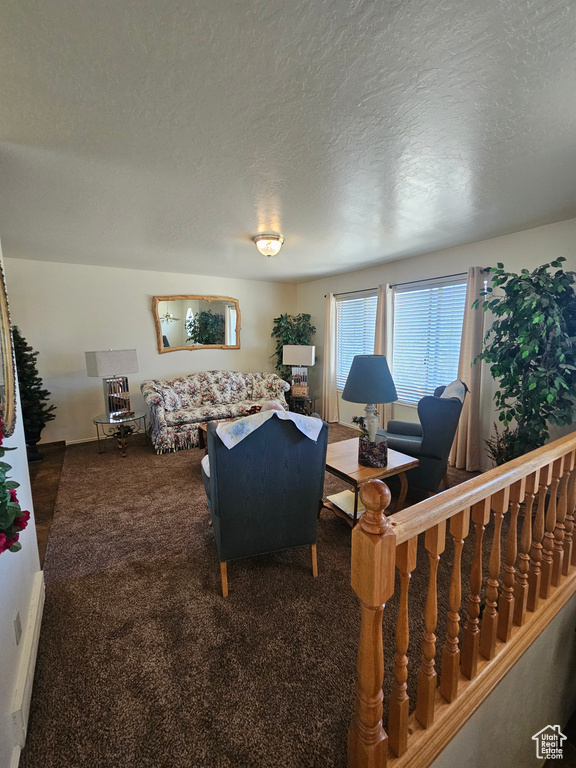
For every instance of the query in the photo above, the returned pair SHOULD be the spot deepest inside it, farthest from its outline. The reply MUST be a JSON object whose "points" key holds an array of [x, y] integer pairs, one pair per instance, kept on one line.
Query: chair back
{"points": [[439, 419], [265, 491]]}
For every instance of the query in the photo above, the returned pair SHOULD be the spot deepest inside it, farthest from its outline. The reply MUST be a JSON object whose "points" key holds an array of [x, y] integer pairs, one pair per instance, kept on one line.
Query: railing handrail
{"points": [[412, 521]]}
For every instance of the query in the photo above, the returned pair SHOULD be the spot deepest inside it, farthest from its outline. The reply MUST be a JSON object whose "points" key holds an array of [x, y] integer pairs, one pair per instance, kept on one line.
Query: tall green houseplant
{"points": [[36, 413], [290, 329], [530, 349]]}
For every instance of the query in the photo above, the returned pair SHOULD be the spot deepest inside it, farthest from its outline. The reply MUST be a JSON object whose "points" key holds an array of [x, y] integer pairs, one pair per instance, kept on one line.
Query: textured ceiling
{"points": [[163, 134]]}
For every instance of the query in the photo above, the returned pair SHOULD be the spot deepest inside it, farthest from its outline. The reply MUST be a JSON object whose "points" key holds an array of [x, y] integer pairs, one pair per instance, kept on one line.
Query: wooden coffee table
{"points": [[342, 461]]}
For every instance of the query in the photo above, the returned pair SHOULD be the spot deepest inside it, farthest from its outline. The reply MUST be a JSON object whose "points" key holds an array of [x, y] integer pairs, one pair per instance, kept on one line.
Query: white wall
{"points": [[17, 572], [64, 310], [528, 249]]}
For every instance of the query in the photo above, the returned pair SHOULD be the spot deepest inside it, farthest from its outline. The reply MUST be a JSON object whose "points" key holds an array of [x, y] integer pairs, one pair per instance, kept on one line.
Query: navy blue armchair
{"points": [[264, 494], [429, 441]]}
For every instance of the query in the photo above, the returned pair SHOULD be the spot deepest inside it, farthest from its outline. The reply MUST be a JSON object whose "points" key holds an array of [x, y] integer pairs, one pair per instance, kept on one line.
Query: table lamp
{"points": [[299, 356], [370, 382], [110, 366]]}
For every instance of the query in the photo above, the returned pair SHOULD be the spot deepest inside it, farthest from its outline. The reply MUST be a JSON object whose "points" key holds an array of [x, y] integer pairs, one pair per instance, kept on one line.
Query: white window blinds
{"points": [[356, 325], [428, 320]]}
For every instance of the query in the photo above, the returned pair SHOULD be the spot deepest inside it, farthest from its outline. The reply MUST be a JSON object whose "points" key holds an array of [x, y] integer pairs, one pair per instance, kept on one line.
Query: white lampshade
{"points": [[296, 354], [111, 362]]}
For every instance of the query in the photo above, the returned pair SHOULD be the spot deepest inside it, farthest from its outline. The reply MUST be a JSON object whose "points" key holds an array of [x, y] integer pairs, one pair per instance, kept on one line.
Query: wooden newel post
{"points": [[373, 564]]}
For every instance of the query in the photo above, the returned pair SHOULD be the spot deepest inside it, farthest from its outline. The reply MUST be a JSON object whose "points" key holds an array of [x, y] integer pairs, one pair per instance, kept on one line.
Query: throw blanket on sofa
{"points": [[177, 406]]}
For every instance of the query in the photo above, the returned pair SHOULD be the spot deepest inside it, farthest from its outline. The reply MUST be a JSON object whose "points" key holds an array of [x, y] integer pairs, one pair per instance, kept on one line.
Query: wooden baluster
{"points": [[399, 702], [548, 540], [521, 585], [373, 563], [459, 527], [435, 541], [569, 465], [471, 633], [489, 625], [534, 572], [559, 530], [506, 601]]}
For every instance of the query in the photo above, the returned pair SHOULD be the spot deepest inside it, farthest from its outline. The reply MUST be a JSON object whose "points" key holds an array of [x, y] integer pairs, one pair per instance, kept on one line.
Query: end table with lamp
{"points": [[118, 421]]}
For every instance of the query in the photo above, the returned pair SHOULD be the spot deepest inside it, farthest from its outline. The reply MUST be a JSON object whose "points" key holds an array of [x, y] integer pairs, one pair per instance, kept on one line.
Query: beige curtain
{"points": [[467, 448], [383, 340], [330, 410]]}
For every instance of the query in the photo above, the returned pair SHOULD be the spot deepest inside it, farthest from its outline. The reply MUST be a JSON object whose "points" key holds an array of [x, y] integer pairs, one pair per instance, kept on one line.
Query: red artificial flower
{"points": [[11, 541], [22, 520], [12, 493], [3, 546]]}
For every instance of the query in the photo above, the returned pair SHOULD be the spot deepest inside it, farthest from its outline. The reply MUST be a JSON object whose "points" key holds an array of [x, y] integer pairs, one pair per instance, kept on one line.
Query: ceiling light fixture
{"points": [[268, 245]]}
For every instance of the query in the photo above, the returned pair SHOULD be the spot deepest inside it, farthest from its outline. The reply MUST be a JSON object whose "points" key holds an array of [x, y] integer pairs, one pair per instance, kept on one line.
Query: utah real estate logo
{"points": [[549, 743]]}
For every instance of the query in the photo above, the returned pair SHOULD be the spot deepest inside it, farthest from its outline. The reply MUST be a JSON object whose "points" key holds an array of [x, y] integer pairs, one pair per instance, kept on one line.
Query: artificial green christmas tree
{"points": [[35, 411]]}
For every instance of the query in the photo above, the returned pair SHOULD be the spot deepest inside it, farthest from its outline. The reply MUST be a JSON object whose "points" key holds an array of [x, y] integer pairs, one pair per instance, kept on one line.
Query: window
{"points": [[355, 326], [428, 320]]}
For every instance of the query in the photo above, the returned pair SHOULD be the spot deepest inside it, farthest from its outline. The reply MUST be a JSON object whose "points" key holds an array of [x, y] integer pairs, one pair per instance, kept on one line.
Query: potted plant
{"points": [[35, 411], [290, 329], [531, 352]]}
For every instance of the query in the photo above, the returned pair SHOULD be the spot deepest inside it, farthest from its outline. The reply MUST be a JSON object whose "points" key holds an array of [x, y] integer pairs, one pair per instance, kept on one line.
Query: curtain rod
{"points": [[409, 282], [428, 279], [358, 290]]}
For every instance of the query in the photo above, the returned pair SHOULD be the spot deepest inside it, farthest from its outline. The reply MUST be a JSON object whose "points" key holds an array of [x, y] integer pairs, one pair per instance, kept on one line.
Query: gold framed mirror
{"points": [[196, 322], [8, 367]]}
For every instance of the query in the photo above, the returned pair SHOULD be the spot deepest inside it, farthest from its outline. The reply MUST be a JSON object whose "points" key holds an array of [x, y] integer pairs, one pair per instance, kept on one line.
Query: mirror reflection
{"points": [[196, 322]]}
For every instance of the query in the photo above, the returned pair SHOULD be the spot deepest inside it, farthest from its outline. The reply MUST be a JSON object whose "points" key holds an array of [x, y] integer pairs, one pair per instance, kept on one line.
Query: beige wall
{"points": [[64, 310], [527, 249]]}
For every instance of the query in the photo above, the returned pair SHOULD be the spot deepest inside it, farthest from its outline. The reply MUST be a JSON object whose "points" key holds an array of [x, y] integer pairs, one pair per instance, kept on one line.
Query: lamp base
{"points": [[372, 454], [116, 395], [371, 421], [299, 381]]}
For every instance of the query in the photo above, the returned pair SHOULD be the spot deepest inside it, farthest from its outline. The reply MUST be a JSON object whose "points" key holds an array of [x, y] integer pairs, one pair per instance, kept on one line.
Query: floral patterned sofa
{"points": [[179, 405]]}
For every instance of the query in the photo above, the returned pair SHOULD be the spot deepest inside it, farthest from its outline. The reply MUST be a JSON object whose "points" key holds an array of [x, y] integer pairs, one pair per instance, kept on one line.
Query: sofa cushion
{"points": [[265, 386], [172, 401], [188, 390], [240, 386], [196, 415], [215, 387]]}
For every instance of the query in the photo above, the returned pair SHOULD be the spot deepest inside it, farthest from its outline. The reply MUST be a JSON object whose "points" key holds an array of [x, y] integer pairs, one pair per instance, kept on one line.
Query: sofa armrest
{"points": [[154, 401], [404, 428]]}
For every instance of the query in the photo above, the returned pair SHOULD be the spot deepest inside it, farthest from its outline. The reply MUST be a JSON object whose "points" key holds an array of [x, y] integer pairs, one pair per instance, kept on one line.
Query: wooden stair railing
{"points": [[529, 578]]}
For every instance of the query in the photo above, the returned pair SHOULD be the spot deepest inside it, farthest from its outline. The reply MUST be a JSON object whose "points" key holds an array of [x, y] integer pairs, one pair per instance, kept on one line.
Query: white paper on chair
{"points": [[345, 501]]}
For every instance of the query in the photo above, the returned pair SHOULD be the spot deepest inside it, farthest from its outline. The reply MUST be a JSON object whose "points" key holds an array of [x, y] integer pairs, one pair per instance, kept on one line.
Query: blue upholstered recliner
{"points": [[264, 494], [429, 441]]}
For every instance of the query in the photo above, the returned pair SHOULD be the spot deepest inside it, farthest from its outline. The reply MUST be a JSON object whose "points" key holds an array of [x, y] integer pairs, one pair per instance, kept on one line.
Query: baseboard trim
{"points": [[345, 424], [84, 440], [25, 676]]}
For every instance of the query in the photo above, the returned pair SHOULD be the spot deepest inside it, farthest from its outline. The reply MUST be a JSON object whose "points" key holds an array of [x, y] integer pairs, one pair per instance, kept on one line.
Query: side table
{"points": [[304, 405], [121, 428]]}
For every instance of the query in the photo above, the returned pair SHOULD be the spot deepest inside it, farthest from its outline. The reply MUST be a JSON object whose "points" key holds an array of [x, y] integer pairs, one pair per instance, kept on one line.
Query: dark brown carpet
{"points": [[142, 663]]}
